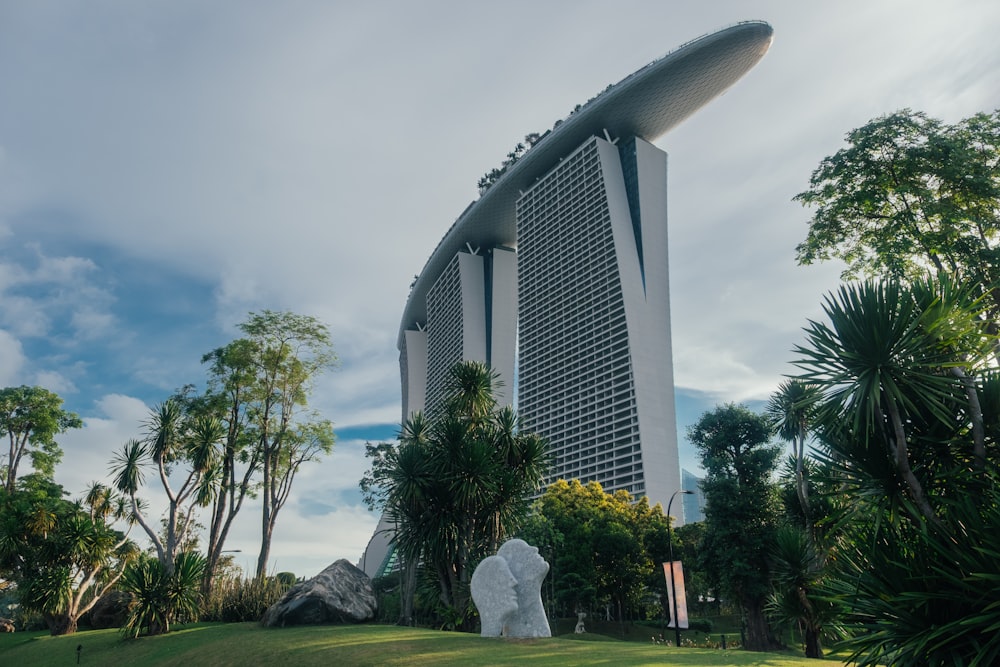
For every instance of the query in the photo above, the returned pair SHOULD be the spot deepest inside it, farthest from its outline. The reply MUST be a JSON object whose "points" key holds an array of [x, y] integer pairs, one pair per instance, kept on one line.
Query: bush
{"points": [[237, 600], [701, 625], [162, 598]]}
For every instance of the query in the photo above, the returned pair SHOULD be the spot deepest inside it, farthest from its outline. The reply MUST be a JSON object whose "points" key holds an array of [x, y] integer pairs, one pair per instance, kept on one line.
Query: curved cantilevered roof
{"points": [[645, 104]]}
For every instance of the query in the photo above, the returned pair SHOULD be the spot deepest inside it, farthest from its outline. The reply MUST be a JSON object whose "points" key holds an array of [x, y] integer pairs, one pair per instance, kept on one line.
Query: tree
{"points": [[604, 549], [230, 396], [173, 442], [790, 410], [798, 568], [31, 418], [899, 367], [162, 596], [910, 194], [287, 353], [63, 556], [493, 175], [740, 510], [457, 485], [907, 420]]}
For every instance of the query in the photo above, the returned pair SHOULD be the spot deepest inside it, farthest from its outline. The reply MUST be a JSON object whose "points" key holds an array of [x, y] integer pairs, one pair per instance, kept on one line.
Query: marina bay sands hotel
{"points": [[557, 278]]}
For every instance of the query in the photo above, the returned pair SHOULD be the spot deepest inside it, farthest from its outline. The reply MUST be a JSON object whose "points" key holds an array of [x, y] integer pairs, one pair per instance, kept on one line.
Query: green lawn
{"points": [[249, 644]]}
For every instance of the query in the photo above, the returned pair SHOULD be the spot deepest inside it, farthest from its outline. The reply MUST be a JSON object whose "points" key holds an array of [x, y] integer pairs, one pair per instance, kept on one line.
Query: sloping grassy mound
{"points": [[248, 644]]}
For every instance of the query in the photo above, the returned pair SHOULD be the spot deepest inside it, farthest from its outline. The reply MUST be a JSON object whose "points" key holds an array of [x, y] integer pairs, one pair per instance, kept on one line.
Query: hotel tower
{"points": [[557, 277]]}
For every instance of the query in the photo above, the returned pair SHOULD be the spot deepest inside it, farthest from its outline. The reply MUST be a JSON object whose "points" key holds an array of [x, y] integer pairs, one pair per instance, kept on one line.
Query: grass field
{"points": [[249, 644]]}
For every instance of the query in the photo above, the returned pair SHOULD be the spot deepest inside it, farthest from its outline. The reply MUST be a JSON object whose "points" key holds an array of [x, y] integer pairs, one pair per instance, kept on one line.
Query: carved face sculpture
{"points": [[528, 567], [506, 594], [495, 594]]}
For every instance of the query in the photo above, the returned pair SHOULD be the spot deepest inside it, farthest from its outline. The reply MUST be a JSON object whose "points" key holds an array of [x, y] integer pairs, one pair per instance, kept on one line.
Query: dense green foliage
{"points": [[456, 486], [162, 596], [62, 556], [910, 194], [907, 411], [908, 420], [604, 549], [30, 419], [741, 511]]}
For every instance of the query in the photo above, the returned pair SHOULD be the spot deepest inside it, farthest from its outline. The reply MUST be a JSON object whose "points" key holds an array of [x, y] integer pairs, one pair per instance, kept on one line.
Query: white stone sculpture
{"points": [[517, 568], [580, 615], [494, 592]]}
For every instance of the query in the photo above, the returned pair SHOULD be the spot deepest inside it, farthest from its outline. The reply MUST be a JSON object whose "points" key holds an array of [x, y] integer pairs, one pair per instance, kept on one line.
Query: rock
{"points": [[6, 625], [110, 611], [339, 594]]}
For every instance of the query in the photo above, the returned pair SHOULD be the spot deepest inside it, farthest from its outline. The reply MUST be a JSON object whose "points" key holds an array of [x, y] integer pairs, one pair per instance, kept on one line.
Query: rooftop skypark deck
{"points": [[647, 104]]}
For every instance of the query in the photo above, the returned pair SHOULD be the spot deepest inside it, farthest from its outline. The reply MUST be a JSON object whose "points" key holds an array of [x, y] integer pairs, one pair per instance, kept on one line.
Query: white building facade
{"points": [[595, 365], [557, 277]]}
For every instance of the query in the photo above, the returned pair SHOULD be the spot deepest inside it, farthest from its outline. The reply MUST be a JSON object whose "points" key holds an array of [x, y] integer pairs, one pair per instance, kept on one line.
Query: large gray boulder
{"points": [[339, 594]]}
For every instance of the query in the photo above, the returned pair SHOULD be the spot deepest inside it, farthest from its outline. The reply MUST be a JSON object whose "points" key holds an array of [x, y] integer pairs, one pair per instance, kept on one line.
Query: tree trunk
{"points": [[758, 631], [62, 624], [814, 648], [265, 550], [408, 586]]}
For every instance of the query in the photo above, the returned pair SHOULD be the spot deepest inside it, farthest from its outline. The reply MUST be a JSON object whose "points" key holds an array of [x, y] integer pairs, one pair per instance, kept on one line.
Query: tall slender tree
{"points": [[790, 408], [231, 387], [172, 442], [288, 352]]}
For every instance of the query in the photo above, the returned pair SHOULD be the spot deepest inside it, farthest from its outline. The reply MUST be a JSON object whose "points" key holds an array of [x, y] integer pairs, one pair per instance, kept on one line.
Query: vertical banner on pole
{"points": [[682, 608]]}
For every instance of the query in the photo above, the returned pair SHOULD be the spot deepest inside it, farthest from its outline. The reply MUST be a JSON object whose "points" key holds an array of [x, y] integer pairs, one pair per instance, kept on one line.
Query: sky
{"points": [[167, 167]]}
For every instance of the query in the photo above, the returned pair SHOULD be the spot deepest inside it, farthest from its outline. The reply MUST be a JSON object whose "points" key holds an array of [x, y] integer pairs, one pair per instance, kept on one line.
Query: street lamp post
{"points": [[673, 584]]}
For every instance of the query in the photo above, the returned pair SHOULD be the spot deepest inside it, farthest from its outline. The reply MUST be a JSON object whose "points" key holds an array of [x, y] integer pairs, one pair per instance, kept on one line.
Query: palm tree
{"points": [[458, 483], [64, 556], [908, 400], [171, 439], [892, 370], [797, 569], [790, 409], [161, 597]]}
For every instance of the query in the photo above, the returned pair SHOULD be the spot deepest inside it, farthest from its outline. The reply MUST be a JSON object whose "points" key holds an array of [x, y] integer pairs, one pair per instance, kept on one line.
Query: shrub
{"points": [[701, 625], [162, 598], [237, 600]]}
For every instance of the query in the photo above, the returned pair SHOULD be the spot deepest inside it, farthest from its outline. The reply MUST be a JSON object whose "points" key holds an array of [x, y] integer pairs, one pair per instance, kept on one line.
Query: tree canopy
{"points": [[605, 549], [741, 509], [63, 556], [31, 418], [910, 194]]}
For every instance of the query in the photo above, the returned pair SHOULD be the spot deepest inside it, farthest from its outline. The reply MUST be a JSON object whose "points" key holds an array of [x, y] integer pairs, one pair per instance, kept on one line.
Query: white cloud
{"points": [[87, 452], [11, 359], [55, 382], [90, 323], [61, 270]]}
